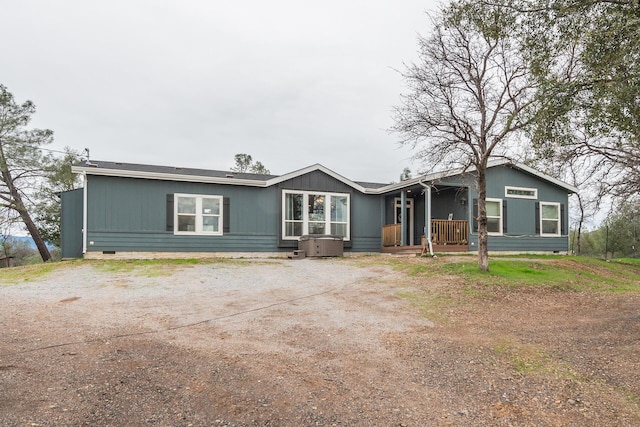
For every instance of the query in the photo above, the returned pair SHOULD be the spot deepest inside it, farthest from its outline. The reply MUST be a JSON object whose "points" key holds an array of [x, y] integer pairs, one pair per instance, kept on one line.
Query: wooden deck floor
{"points": [[408, 250]]}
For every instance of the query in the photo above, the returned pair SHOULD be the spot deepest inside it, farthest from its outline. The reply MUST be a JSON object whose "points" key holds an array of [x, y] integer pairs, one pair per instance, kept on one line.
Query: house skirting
{"points": [[194, 255]]}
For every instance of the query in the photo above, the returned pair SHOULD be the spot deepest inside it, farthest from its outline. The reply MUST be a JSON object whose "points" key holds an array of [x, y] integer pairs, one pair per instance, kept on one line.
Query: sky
{"points": [[192, 83]]}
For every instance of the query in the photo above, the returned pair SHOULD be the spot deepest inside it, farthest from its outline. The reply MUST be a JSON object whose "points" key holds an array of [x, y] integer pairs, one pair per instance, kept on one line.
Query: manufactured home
{"points": [[135, 210]]}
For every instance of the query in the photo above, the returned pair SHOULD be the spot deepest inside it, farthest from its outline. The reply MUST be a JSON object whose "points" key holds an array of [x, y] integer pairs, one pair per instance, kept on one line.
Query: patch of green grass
{"points": [[513, 273], [568, 273], [530, 256], [159, 267], [524, 358], [529, 359], [632, 261], [431, 305], [125, 266], [27, 273]]}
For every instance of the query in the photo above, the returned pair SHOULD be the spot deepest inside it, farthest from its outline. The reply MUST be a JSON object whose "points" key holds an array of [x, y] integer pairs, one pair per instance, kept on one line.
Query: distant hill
{"points": [[28, 240]]}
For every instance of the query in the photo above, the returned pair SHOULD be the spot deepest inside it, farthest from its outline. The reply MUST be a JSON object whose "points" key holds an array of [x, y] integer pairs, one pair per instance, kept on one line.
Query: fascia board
{"points": [[530, 170], [312, 168], [415, 181], [167, 176], [546, 177], [445, 174]]}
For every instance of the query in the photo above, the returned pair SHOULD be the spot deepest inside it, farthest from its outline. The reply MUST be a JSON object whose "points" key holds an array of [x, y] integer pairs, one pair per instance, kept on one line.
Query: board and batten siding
{"points": [[71, 223], [521, 232], [365, 210], [128, 214]]}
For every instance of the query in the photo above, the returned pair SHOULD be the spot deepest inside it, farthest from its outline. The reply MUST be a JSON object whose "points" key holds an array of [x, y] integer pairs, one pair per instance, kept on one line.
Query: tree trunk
{"points": [[579, 231], [31, 227], [18, 206], [483, 237]]}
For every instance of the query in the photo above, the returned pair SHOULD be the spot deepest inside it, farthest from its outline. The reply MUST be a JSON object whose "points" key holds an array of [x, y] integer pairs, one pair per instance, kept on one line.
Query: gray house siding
{"points": [[366, 226], [316, 180], [128, 214], [366, 223], [449, 201], [71, 223], [521, 230], [444, 200], [130, 208]]}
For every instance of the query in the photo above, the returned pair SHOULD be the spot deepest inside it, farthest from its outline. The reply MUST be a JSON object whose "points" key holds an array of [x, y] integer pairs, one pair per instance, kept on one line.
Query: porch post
{"points": [[403, 218], [427, 213]]}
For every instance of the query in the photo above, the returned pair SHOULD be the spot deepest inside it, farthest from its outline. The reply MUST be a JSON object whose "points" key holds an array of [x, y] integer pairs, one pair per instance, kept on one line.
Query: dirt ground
{"points": [[314, 342]]}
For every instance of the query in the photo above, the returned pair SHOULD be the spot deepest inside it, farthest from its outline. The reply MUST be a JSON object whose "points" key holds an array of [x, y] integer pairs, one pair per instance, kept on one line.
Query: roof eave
{"points": [[91, 170], [317, 167]]}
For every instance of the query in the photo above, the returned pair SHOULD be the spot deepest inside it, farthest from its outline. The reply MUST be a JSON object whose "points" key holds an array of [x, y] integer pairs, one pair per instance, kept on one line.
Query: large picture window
{"points": [[198, 214], [549, 219], [306, 212], [494, 216]]}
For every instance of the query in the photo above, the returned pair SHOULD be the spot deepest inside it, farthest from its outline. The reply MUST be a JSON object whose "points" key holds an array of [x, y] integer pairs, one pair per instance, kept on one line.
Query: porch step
{"points": [[417, 250], [297, 254]]}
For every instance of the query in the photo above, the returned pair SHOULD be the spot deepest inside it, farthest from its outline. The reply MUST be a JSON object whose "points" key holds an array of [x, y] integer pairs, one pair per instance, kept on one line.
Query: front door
{"points": [[398, 218]]}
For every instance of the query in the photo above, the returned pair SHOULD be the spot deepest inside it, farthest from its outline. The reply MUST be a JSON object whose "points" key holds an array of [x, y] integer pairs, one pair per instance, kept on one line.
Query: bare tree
{"points": [[468, 96], [21, 162]]}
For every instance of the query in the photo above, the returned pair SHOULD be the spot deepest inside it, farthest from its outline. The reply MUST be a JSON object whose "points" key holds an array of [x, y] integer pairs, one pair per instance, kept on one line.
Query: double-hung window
{"points": [[314, 212], [198, 214], [494, 216], [550, 219]]}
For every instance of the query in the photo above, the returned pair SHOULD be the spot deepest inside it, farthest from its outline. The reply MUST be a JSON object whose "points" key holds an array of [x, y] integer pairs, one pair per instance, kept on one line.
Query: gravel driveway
{"points": [[265, 343]]}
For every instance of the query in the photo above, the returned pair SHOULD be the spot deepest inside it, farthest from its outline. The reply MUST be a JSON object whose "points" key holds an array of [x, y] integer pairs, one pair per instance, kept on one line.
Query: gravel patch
{"points": [[307, 342]]}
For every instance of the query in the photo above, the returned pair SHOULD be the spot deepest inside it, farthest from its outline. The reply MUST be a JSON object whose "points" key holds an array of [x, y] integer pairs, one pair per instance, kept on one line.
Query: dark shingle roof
{"points": [[175, 170]]}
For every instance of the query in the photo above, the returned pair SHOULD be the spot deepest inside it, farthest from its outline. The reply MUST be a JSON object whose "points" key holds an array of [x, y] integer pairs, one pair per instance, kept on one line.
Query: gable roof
{"points": [[172, 173], [437, 176]]}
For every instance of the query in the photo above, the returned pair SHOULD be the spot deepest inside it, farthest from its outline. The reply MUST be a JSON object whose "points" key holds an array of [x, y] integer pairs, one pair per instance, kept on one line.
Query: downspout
{"points": [[427, 232], [84, 213]]}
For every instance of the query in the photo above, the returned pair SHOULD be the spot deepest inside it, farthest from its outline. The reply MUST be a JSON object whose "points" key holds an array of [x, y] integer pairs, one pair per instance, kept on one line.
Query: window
{"points": [[549, 219], [494, 216], [521, 193], [314, 213], [196, 214]]}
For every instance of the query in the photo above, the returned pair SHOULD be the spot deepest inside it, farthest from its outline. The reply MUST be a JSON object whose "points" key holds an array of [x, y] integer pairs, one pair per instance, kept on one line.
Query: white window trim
{"points": [[519, 196], [559, 233], [198, 232], [500, 225], [305, 213]]}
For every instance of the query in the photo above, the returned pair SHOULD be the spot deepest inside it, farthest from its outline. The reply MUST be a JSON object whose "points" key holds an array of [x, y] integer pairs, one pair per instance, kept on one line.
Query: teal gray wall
{"points": [[71, 223], [366, 219], [521, 213], [444, 200], [128, 214]]}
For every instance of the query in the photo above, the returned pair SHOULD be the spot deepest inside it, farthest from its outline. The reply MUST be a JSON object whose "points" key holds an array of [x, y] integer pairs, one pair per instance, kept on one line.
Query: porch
{"points": [[447, 236]]}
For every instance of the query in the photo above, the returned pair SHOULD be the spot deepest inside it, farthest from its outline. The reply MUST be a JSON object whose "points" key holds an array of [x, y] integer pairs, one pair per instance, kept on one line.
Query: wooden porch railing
{"points": [[443, 232], [453, 232], [391, 234]]}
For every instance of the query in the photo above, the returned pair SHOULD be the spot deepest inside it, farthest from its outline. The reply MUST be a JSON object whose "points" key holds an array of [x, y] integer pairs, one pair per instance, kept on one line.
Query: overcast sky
{"points": [[192, 83]]}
